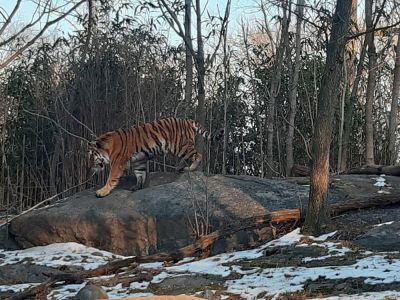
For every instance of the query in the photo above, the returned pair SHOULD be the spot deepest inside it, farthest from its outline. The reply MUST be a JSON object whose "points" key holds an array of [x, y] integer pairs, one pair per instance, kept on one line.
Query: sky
{"points": [[240, 9]]}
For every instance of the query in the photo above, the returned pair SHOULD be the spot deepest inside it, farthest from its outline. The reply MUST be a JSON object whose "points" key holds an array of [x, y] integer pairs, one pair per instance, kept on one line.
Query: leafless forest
{"points": [[293, 82]]}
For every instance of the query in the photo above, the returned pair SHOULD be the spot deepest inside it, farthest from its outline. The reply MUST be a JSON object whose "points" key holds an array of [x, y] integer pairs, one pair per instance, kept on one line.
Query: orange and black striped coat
{"points": [[141, 143]]}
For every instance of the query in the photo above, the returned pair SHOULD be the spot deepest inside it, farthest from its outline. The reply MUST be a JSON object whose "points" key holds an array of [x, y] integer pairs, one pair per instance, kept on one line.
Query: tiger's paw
{"points": [[102, 193], [137, 187], [180, 170]]}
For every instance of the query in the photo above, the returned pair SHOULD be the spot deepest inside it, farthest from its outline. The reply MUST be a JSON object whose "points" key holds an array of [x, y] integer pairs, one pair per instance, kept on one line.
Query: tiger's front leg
{"points": [[116, 171]]}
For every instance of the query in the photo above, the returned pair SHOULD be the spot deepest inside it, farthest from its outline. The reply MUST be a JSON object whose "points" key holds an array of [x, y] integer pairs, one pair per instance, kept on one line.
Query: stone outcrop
{"points": [[158, 218]]}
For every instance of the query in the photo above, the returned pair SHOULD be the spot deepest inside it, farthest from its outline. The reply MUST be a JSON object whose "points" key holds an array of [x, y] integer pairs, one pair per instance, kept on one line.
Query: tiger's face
{"points": [[98, 158]]}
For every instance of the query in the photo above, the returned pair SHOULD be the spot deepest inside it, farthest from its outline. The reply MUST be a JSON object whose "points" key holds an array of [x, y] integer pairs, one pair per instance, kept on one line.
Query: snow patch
{"points": [[381, 224], [275, 281], [380, 181], [384, 295], [60, 254]]}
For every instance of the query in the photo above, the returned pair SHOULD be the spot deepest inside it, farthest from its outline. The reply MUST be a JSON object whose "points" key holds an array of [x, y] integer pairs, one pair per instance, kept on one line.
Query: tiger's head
{"points": [[98, 157]]}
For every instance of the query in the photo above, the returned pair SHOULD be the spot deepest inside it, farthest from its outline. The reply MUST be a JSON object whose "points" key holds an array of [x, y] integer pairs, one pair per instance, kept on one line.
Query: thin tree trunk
{"points": [[351, 85], [341, 121], [201, 73], [293, 89], [317, 213], [226, 71], [369, 125], [274, 90], [348, 120], [394, 107], [22, 183], [188, 54]]}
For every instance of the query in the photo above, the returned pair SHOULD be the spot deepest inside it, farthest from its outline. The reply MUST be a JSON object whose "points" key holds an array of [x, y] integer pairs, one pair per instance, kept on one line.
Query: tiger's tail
{"points": [[205, 134]]}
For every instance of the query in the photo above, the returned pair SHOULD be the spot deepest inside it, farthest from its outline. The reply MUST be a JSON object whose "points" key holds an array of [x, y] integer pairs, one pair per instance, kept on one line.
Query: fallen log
{"points": [[110, 268], [253, 222], [375, 170], [300, 171], [362, 203]]}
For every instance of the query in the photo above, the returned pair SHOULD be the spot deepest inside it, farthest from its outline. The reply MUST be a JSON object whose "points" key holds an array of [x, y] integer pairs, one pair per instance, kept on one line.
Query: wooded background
{"points": [[259, 76]]}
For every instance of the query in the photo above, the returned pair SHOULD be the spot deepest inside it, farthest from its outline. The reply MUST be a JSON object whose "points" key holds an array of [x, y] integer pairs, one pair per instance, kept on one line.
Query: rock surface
{"points": [[160, 218], [384, 237]]}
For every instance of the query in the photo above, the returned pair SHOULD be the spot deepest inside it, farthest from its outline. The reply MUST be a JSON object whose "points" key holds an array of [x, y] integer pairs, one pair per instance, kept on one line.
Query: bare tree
{"points": [[293, 89], [393, 123], [350, 82], [226, 72], [370, 95], [317, 214], [275, 85], [46, 12], [188, 49]]}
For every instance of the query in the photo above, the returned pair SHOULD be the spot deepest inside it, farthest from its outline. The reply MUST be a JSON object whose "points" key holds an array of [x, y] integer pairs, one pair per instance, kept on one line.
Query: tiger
{"points": [[142, 143]]}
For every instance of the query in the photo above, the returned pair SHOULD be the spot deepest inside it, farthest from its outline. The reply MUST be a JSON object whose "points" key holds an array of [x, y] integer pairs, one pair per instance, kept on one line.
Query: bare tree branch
{"points": [[8, 20], [31, 24], [55, 123], [18, 52], [179, 31], [224, 24], [374, 29]]}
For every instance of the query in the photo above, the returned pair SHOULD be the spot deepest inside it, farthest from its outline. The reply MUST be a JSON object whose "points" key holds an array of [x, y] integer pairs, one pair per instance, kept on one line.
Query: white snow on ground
{"points": [[16, 287], [384, 295], [386, 223], [60, 254], [380, 181], [275, 281], [213, 265], [374, 269], [323, 237]]}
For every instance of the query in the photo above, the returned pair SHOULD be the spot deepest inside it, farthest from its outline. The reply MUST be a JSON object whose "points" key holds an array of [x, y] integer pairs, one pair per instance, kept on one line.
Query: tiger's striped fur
{"points": [[139, 144]]}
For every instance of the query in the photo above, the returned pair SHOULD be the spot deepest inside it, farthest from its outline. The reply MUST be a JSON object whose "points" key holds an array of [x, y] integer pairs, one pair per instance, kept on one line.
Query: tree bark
{"points": [[394, 107], [317, 213], [350, 81], [274, 90], [201, 74], [226, 70], [188, 53], [369, 125], [349, 108], [293, 89]]}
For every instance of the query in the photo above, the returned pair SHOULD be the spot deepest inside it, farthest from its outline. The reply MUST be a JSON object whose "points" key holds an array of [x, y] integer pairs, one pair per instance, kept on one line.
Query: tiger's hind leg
{"points": [[140, 170]]}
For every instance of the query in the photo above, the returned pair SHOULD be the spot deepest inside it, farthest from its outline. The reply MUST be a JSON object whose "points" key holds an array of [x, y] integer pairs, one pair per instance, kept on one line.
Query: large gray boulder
{"points": [[382, 237], [157, 218]]}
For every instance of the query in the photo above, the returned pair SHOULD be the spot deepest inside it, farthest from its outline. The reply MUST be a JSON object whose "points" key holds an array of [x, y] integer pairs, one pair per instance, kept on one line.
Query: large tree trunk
{"points": [[394, 107], [317, 213], [274, 90], [293, 89], [188, 54], [369, 125]]}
